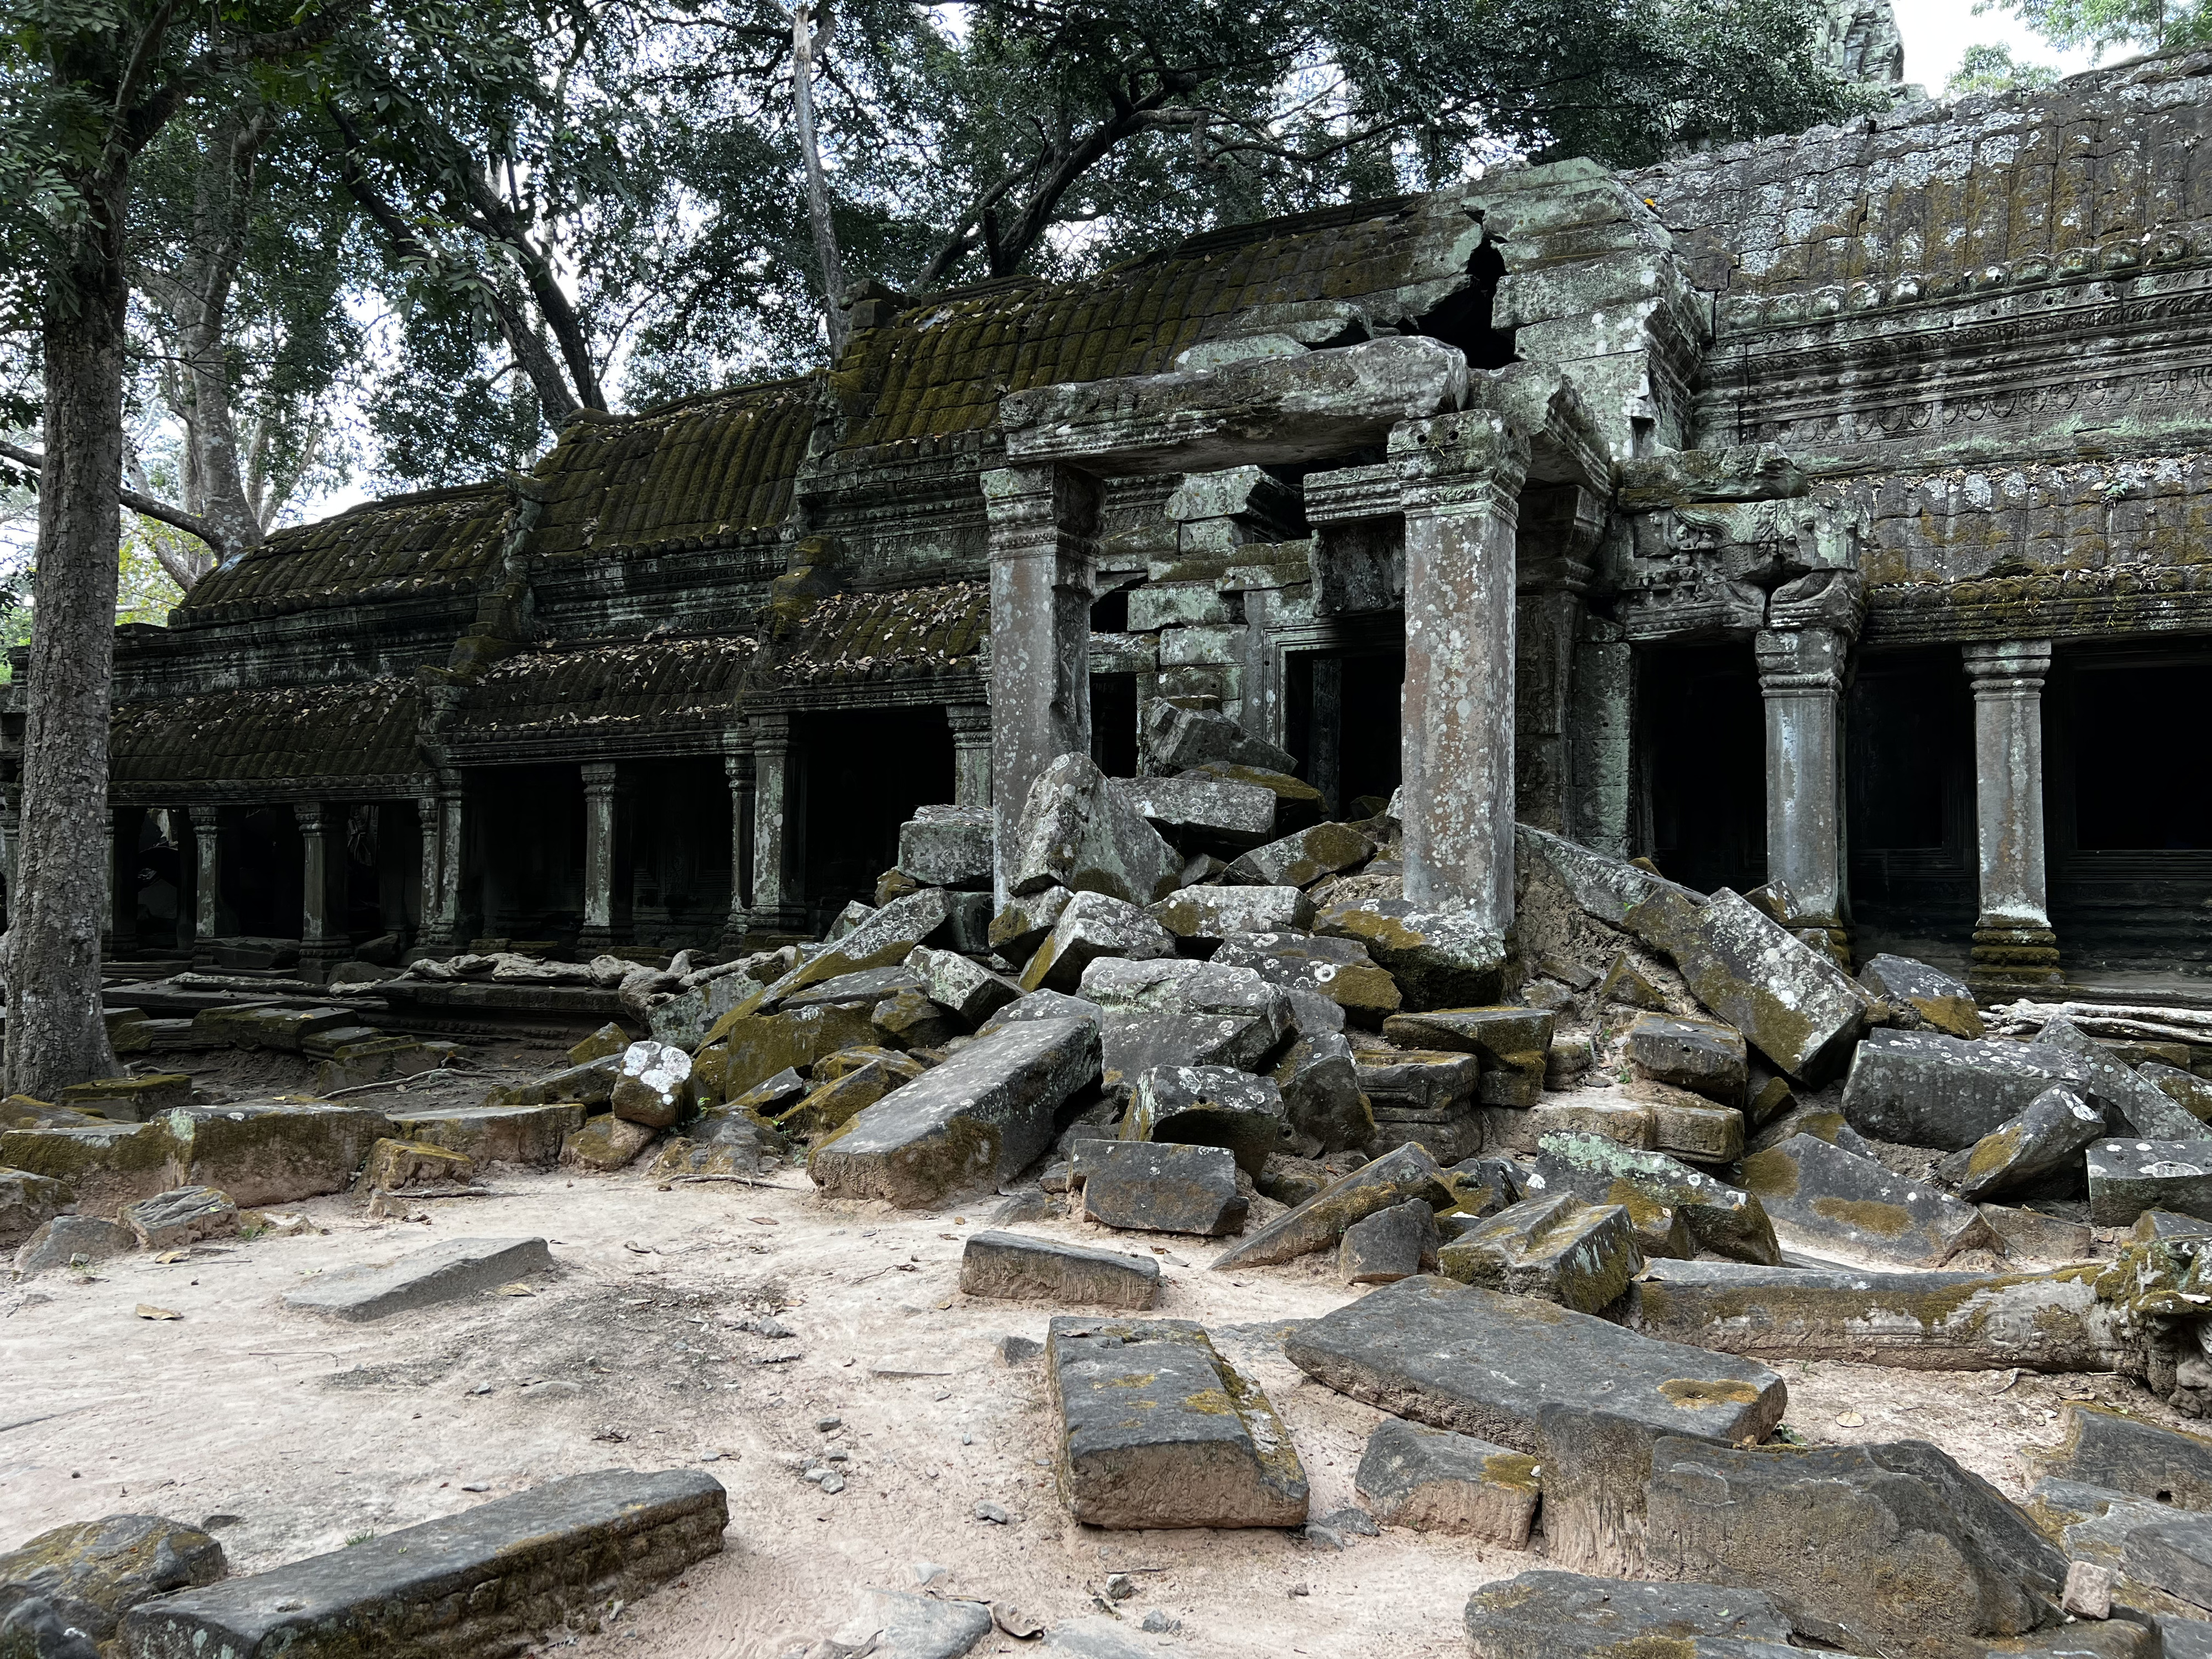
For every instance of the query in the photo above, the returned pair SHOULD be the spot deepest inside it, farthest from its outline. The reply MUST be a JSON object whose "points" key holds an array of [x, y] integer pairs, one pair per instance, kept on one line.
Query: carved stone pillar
{"points": [[1044, 522], [600, 786], [207, 914], [1558, 531], [2013, 939], [443, 821], [1461, 481], [971, 752], [123, 880], [778, 900], [324, 940], [1604, 726], [737, 766], [1801, 676]]}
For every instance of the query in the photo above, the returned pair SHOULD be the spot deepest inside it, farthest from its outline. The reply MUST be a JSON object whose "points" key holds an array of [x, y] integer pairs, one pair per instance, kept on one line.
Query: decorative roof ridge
{"points": [[409, 498]]}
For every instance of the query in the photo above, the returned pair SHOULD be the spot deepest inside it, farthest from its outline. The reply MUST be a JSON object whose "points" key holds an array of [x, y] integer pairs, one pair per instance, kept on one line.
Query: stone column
{"points": [[429, 868], [1461, 481], [324, 941], [1558, 531], [123, 880], [737, 766], [599, 788], [971, 752], [208, 916], [1044, 521], [1801, 676], [444, 825], [1325, 734], [778, 901], [2013, 939], [1604, 726]]}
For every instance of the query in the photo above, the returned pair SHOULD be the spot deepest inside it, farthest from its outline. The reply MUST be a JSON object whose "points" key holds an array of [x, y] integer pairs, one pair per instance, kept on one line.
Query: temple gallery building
{"points": [[1833, 509]]}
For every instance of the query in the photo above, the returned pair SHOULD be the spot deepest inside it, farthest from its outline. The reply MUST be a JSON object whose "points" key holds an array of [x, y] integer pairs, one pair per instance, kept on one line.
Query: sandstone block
{"points": [[1319, 1078], [969, 990], [947, 847], [1568, 1615], [1178, 738], [2193, 1094], [27, 1202], [1202, 812], [86, 1575], [1688, 1126], [983, 1115], [591, 1084], [1556, 1247], [2127, 1177], [1496, 1034], [1157, 1430], [2100, 1447], [1622, 1122], [607, 1143], [130, 1099], [608, 1040], [495, 1134], [1093, 927], [1722, 1218], [1077, 831], [1142, 1185], [69, 1239], [1928, 1089], [489, 1579], [1422, 1081], [1930, 997], [2133, 1103], [1301, 858], [1012, 1265], [1821, 1198], [1018, 926], [1390, 1245], [1319, 1223], [653, 1085], [1210, 1106], [1698, 1055], [746, 1050], [2046, 1139], [1439, 961], [1338, 969], [2174, 1556], [442, 1273], [1434, 1480], [1224, 912]]}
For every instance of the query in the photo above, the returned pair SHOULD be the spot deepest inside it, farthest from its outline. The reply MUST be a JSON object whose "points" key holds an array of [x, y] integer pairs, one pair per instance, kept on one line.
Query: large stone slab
{"points": [[1178, 738], [1434, 1480], [489, 1579], [1702, 1055], [2126, 1178], [1093, 927], [2100, 1447], [2135, 1104], [947, 847], [1501, 1035], [1078, 832], [1019, 1266], [1210, 1106], [586, 1083], [1316, 1225], [1205, 814], [259, 1154], [496, 1134], [1579, 1255], [1158, 1430], [1152, 1187], [894, 1624], [1606, 887], [1225, 913], [2046, 1139], [1927, 996], [1301, 858], [1174, 1013], [1338, 969], [1823, 1199], [1791, 1002], [2047, 1321], [1895, 1543], [1319, 1078], [1570, 1615], [1929, 1089], [1439, 960], [1724, 1219], [982, 1115], [965, 986], [445, 1272]]}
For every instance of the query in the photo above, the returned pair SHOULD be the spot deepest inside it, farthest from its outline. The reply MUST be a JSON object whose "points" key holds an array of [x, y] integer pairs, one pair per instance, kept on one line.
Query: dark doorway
{"points": [[263, 879], [1701, 738], [525, 851], [1114, 723], [679, 816], [1343, 721], [1909, 795], [863, 773]]}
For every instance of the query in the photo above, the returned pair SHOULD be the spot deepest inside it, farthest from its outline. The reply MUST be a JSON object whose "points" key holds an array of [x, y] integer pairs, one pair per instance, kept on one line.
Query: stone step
{"points": [[485, 1581], [445, 1271], [496, 1134]]}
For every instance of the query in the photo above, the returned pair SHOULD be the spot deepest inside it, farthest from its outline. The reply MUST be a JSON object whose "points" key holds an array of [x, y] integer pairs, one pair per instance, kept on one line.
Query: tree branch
{"points": [[190, 523]]}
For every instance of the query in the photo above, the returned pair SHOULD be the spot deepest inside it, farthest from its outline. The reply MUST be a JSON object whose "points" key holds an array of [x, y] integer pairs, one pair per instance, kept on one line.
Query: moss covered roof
{"points": [[661, 684], [706, 470], [912, 633], [367, 729], [439, 542]]}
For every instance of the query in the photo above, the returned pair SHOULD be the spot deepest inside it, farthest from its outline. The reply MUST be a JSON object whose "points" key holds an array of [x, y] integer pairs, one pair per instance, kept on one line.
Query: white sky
{"points": [[1937, 32]]}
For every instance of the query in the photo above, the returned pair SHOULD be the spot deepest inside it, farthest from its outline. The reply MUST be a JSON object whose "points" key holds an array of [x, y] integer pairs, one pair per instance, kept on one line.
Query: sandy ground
{"points": [[307, 1433]]}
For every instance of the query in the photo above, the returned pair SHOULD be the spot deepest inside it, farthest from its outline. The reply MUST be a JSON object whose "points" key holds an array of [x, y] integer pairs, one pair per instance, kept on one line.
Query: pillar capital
{"points": [[1801, 661], [205, 819], [1468, 462], [314, 817], [768, 729], [2007, 668], [969, 720], [599, 774], [1560, 525]]}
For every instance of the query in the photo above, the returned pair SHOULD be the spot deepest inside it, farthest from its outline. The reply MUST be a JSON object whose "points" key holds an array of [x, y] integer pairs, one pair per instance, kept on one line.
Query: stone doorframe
{"points": [[1460, 445]]}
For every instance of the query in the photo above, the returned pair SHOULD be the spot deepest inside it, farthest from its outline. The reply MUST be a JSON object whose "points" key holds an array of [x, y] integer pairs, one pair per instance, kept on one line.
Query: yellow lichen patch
{"points": [[1867, 1214], [1771, 1174], [1696, 1394], [1647, 1647], [1213, 1402], [1510, 1469]]}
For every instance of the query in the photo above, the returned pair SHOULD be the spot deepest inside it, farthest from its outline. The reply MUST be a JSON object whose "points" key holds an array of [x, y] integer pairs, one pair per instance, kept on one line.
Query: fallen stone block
{"points": [[1210, 1106], [1439, 960], [2100, 1447], [1722, 1218], [1143, 1186], [1202, 813], [982, 1115], [897, 1626], [2134, 1105], [2044, 1140], [947, 847], [1822, 1198], [1791, 1003], [1927, 996], [1568, 1615], [2051, 1321], [1158, 1430], [1418, 1082], [1319, 1223], [68, 1240], [607, 1143], [393, 1165], [1021, 924], [1701, 1055], [610, 1039], [489, 1579], [130, 1099], [1606, 887], [1319, 1079], [687, 1016], [1041, 1005], [2126, 1178], [1390, 1245], [863, 989], [909, 1020], [591, 1084], [2174, 1556], [1178, 738], [495, 1134], [884, 939], [1078, 832], [1300, 859], [966, 988], [1585, 1398], [441, 1273], [67, 1589], [1013, 1265], [2193, 1094], [1434, 1480], [1627, 984], [1093, 927], [264, 1155], [1689, 1126], [842, 1098], [1556, 1248], [183, 1215], [27, 1202], [1625, 1122], [1168, 1013], [2030, 1235], [1935, 1553], [1225, 913], [746, 1050], [1495, 1033], [267, 1025], [1928, 1089], [1338, 969]]}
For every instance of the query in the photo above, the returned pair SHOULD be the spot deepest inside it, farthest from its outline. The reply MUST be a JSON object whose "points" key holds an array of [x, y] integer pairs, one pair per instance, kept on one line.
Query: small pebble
{"points": [[1160, 1623], [928, 1572], [1354, 1521], [1326, 1538], [838, 1455], [816, 1475], [967, 1439], [1120, 1587], [825, 1424], [833, 1482], [987, 1510], [1300, 1590]]}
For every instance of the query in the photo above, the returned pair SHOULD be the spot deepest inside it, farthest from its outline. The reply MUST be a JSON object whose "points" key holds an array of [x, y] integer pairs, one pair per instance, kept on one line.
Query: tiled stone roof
{"points": [[913, 633], [582, 689], [364, 730]]}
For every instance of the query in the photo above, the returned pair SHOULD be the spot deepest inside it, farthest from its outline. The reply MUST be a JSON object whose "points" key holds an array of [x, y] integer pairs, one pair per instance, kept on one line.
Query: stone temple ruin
{"points": [[1572, 778]]}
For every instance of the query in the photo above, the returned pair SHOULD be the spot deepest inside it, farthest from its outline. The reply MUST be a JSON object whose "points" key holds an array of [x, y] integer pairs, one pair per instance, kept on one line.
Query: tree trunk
{"points": [[804, 45], [56, 1031]]}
